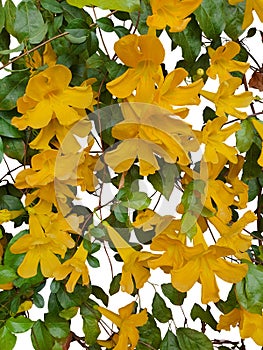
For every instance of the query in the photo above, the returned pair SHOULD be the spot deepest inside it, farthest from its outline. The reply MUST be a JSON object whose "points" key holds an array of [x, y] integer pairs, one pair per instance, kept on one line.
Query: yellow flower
{"points": [[49, 96], [250, 324], [7, 215], [127, 324], [238, 186], [135, 264], [148, 130], [36, 61], [175, 252], [213, 137], [143, 54], [231, 235], [7, 286], [86, 169], [41, 173], [170, 94], [225, 100], [259, 127], [172, 13], [251, 5], [203, 267], [222, 61], [75, 267], [48, 236]]}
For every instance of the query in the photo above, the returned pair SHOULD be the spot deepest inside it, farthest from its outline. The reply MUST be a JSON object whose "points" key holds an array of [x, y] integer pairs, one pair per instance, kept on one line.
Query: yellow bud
{"points": [[200, 72], [25, 306]]}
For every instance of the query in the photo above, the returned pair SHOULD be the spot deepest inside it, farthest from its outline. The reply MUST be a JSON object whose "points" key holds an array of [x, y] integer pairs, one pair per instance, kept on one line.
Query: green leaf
{"points": [[57, 326], [40, 336], [210, 17], [164, 179], [233, 16], [92, 43], [1, 150], [138, 201], [11, 88], [19, 324], [245, 136], [29, 24], [6, 128], [93, 261], [52, 6], [68, 314], [79, 296], [139, 17], [204, 315], [105, 24], [150, 335], [188, 224], [7, 339], [229, 304], [115, 284], [121, 31], [14, 148], [97, 232], [253, 188], [251, 168], [90, 318], [38, 300], [208, 114], [121, 5], [10, 15], [10, 203], [175, 297], [2, 16], [249, 291], [7, 274], [4, 45], [160, 311], [189, 40], [99, 293], [190, 339], [121, 213], [170, 342]]}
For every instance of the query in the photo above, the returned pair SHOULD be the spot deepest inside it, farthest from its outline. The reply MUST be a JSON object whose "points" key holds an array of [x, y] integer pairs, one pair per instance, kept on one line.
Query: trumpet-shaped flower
{"points": [[213, 137], [135, 263], [251, 5], [148, 130], [49, 96], [47, 237], [127, 323], [75, 267], [225, 100], [232, 236], [250, 324], [41, 173], [143, 54], [175, 252], [172, 13], [169, 94], [203, 267], [222, 62]]}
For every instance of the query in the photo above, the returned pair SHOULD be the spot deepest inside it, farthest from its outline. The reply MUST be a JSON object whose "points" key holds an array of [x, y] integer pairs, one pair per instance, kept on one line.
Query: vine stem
{"points": [[27, 52]]}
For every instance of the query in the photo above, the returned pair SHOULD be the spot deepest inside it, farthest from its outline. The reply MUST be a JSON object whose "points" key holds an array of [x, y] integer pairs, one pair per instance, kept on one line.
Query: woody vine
{"points": [[79, 119]]}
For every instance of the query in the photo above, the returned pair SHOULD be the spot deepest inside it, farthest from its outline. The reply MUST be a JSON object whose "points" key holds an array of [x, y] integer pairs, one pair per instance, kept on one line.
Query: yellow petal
{"points": [[192, 270]]}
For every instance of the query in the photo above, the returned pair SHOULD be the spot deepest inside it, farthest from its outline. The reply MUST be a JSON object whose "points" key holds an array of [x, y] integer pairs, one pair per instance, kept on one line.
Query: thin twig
{"points": [[34, 49]]}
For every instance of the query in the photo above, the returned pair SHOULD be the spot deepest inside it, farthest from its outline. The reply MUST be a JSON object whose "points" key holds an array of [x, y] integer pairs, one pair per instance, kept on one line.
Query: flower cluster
{"points": [[151, 139]]}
